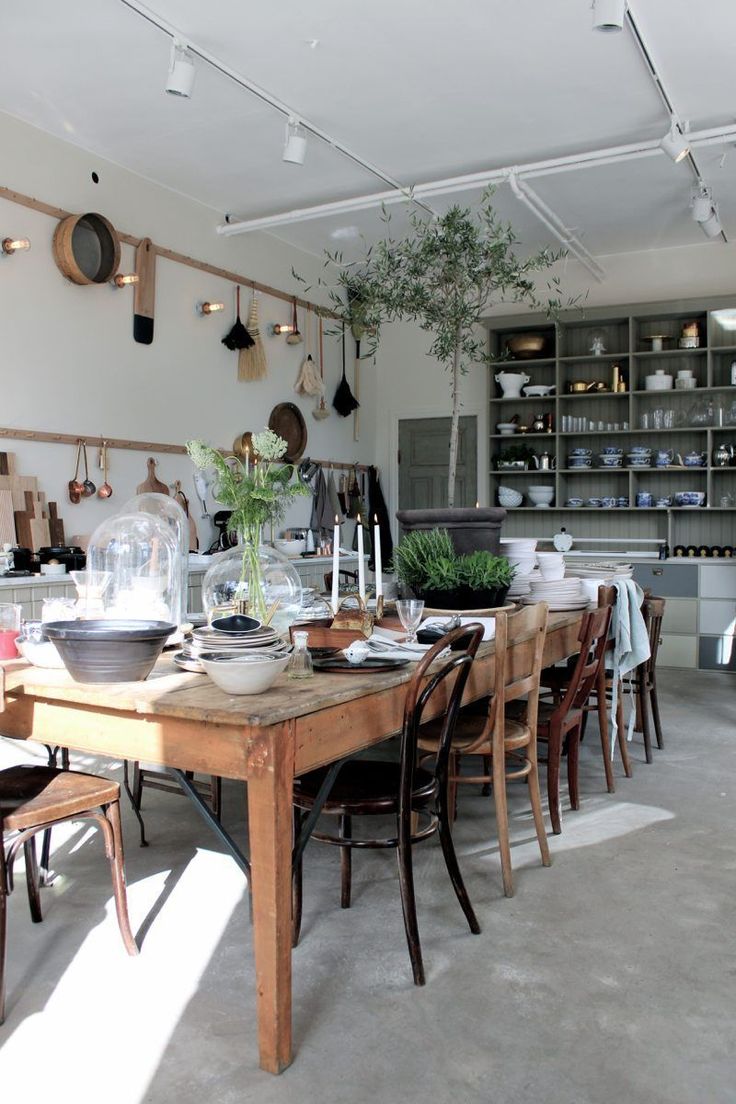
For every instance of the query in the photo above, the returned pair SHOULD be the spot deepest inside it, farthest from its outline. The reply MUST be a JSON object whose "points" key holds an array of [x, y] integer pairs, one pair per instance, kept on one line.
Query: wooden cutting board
{"points": [[183, 501], [18, 485], [152, 484], [144, 293], [56, 527], [7, 519]]}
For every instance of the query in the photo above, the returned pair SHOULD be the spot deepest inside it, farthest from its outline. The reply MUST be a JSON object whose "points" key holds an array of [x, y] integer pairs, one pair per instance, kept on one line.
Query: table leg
{"points": [[270, 781]]}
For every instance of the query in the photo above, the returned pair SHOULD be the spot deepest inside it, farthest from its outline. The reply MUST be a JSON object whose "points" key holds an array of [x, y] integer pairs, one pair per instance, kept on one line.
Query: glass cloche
{"points": [[140, 555], [228, 586], [169, 510]]}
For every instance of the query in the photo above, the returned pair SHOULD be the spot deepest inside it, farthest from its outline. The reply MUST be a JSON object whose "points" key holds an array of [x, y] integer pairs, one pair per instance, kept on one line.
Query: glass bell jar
{"points": [[168, 509], [263, 585], [138, 556]]}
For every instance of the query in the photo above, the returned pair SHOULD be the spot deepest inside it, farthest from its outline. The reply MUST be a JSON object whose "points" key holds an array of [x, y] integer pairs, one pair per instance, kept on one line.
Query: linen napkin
{"points": [[631, 645]]}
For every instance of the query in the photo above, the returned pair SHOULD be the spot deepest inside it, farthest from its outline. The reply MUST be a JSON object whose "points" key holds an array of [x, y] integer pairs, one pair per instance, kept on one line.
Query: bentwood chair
{"points": [[415, 797], [507, 747], [644, 679], [560, 724], [34, 799]]}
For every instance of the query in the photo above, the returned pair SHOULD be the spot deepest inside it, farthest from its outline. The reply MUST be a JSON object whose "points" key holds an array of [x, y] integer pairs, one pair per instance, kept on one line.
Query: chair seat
{"points": [[363, 784], [31, 795], [468, 730]]}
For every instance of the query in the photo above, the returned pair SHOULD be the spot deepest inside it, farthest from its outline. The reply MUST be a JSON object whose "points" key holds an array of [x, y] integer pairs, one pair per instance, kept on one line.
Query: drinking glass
{"points": [[10, 615], [410, 612]]}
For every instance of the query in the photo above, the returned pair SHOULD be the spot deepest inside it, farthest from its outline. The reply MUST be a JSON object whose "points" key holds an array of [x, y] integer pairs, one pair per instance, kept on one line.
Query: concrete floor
{"points": [[607, 979]]}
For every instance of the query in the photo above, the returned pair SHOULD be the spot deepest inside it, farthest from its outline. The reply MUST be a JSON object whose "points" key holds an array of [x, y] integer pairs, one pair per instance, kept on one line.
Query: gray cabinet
{"points": [[668, 580]]}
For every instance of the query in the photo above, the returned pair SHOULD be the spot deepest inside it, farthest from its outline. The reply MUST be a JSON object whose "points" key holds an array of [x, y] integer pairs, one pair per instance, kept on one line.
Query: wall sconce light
{"points": [[209, 308], [122, 280], [15, 245], [278, 329]]}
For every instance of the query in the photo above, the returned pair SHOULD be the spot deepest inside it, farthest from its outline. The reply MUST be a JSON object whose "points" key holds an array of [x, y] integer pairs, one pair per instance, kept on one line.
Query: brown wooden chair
{"points": [[555, 680], [560, 724], [209, 788], [34, 799], [367, 787], [510, 745], [644, 679]]}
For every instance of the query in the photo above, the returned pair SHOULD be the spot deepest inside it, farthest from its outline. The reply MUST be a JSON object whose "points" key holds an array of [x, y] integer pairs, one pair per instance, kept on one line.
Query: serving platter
{"points": [[339, 665]]}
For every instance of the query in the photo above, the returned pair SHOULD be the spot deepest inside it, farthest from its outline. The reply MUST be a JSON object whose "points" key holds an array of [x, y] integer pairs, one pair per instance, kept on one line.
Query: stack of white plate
{"points": [[206, 641], [560, 594], [521, 585], [521, 552], [599, 570]]}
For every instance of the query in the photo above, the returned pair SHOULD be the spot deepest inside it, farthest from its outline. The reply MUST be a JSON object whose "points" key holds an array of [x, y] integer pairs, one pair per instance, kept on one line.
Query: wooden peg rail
{"points": [[178, 258], [93, 442], [335, 465]]}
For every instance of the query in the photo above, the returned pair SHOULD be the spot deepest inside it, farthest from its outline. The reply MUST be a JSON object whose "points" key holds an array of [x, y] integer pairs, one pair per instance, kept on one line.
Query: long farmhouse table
{"points": [[183, 721]]}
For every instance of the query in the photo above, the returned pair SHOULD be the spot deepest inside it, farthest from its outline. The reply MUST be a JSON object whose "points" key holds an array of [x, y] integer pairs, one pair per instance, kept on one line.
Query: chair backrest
{"points": [[427, 685], [593, 640], [653, 611]]}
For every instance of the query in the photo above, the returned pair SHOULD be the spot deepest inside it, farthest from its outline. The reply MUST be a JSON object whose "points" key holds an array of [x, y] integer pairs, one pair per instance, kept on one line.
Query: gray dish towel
{"points": [[323, 517], [334, 501]]}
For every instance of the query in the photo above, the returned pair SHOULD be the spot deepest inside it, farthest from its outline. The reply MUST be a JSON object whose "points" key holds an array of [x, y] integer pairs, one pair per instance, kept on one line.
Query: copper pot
{"points": [[76, 489]]}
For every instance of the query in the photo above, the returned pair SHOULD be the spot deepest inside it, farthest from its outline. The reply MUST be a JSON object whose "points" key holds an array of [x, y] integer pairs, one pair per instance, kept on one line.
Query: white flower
{"points": [[268, 445]]}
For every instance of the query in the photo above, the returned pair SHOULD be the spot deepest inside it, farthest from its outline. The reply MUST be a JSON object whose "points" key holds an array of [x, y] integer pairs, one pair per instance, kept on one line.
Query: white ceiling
{"points": [[422, 90]]}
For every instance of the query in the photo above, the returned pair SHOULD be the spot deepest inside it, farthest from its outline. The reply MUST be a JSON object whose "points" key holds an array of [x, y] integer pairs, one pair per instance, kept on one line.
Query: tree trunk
{"points": [[454, 425]]}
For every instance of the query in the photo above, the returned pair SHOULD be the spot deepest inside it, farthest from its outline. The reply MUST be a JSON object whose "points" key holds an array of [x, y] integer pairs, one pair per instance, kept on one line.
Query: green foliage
{"points": [[427, 560], [256, 492]]}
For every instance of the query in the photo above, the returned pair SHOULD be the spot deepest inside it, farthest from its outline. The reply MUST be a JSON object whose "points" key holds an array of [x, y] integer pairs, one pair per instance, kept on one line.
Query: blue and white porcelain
{"points": [[694, 459], [664, 458], [581, 452], [640, 450], [644, 499], [609, 461], [594, 502], [663, 502], [622, 502], [608, 502], [611, 450], [574, 503]]}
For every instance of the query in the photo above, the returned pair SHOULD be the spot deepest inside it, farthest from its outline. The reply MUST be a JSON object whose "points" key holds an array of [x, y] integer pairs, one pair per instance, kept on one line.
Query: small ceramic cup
{"points": [[643, 498]]}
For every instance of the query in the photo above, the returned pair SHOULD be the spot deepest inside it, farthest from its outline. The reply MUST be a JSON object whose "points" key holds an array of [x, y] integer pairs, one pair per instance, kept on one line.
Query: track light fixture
{"points": [[701, 203], [711, 226], [15, 245], [182, 71], [295, 142], [675, 144], [609, 15]]}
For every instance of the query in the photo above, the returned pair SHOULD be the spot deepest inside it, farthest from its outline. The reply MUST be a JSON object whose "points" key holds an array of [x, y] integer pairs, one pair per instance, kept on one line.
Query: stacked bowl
{"points": [[239, 654], [521, 553]]}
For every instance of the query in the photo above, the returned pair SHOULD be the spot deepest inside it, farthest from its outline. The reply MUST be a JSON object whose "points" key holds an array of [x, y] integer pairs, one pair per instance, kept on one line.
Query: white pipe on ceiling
{"points": [[548, 218], [469, 181]]}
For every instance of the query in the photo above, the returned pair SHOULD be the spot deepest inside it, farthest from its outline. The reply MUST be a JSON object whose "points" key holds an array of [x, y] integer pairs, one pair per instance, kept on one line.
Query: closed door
{"points": [[424, 455]]}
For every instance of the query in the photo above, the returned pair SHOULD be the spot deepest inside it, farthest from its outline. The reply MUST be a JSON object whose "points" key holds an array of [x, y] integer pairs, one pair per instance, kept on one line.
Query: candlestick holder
{"points": [[358, 619]]}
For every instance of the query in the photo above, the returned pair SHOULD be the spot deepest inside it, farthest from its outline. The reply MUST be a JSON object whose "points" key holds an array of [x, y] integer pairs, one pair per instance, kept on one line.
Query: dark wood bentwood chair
{"points": [[644, 679], [415, 796], [560, 724], [506, 746], [34, 799]]}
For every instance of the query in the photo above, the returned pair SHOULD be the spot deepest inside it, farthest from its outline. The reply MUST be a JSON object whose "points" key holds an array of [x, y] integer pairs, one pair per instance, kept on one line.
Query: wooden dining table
{"points": [[183, 721]]}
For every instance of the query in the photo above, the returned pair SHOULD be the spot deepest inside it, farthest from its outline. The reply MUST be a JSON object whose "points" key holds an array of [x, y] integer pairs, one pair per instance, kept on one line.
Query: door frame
{"points": [[418, 412]]}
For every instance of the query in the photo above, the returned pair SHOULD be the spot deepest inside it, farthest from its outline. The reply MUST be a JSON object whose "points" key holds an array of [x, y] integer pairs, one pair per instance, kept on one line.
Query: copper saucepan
{"points": [[75, 487]]}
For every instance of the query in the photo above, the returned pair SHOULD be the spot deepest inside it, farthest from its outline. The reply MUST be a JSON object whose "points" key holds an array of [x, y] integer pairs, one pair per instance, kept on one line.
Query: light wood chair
{"points": [[34, 799], [507, 745]]}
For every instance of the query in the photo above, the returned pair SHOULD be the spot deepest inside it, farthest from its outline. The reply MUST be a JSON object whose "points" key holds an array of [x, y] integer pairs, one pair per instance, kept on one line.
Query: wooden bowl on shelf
{"points": [[526, 346]]}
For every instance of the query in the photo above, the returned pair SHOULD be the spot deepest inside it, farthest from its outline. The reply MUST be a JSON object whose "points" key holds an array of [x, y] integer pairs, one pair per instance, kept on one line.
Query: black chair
{"points": [[366, 787]]}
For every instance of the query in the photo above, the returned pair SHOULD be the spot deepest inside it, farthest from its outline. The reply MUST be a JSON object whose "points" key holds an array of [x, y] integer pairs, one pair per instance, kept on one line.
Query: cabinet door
{"points": [[718, 580], [668, 580], [678, 651], [717, 617], [680, 615], [717, 653]]}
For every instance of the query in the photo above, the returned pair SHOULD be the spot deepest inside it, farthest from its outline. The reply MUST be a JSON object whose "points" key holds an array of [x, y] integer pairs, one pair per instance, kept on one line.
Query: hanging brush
{"points": [[344, 401], [309, 381], [252, 364], [321, 410], [294, 338], [238, 337]]}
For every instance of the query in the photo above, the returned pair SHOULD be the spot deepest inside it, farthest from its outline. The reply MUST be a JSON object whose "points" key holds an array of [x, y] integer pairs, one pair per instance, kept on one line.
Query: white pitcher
{"points": [[511, 383]]}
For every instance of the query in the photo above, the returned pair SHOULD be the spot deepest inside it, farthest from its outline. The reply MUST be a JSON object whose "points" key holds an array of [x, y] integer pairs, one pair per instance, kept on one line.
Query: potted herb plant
{"points": [[427, 563]]}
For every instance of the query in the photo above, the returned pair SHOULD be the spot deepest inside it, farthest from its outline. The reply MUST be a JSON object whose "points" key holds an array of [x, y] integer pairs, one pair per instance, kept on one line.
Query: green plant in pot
{"points": [[427, 563]]}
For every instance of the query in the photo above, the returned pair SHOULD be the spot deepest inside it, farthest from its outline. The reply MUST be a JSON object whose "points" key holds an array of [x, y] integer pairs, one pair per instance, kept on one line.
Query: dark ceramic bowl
{"points": [[236, 624], [109, 651]]}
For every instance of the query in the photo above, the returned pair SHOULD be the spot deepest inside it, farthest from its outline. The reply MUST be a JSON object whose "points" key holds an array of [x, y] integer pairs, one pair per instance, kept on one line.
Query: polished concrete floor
{"points": [[608, 979]]}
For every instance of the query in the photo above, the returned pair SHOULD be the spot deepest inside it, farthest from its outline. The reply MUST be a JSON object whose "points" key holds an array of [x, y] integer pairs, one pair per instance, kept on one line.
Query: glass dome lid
{"points": [[228, 586], [168, 509], [139, 554]]}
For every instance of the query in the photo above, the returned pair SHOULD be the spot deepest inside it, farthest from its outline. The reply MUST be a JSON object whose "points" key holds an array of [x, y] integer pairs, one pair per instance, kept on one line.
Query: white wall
{"points": [[411, 384], [69, 363]]}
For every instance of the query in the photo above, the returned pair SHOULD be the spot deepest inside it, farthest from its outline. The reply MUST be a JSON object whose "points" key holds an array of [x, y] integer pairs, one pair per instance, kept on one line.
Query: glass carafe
{"points": [[300, 664]]}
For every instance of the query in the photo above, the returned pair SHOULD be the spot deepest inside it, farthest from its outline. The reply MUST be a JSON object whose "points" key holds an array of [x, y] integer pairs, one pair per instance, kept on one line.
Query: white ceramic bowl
{"points": [[42, 654], [538, 390], [246, 674], [658, 382], [541, 496], [507, 496], [53, 569], [506, 429], [289, 547]]}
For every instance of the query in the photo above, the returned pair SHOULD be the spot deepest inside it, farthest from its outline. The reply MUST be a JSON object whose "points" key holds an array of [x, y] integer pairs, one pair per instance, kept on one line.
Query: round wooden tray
{"points": [[287, 420], [431, 612]]}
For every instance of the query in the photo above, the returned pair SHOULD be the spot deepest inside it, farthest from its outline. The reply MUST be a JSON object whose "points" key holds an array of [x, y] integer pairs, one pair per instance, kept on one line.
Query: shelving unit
{"points": [[623, 332]]}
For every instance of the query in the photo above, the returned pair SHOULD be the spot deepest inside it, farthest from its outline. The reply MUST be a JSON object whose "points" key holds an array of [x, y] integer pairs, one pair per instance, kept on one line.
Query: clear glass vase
{"points": [[253, 578]]}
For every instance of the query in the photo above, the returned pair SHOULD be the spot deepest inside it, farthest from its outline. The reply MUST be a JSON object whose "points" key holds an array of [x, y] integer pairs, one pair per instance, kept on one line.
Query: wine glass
{"points": [[410, 612]]}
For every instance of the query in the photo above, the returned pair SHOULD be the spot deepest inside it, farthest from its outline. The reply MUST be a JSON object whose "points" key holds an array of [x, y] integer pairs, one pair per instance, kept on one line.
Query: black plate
{"points": [[237, 623], [322, 653], [371, 665]]}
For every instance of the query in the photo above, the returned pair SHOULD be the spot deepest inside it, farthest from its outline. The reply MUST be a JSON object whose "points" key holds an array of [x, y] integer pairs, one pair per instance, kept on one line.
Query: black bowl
{"points": [[237, 623], [109, 651]]}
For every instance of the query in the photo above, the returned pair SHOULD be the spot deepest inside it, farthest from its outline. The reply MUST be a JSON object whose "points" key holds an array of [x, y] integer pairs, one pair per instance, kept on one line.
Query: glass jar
{"points": [[9, 629], [168, 509], [227, 586], [300, 664], [133, 570]]}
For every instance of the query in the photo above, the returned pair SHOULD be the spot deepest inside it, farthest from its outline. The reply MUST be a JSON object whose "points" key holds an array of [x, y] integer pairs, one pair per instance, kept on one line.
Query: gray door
{"points": [[424, 447]]}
